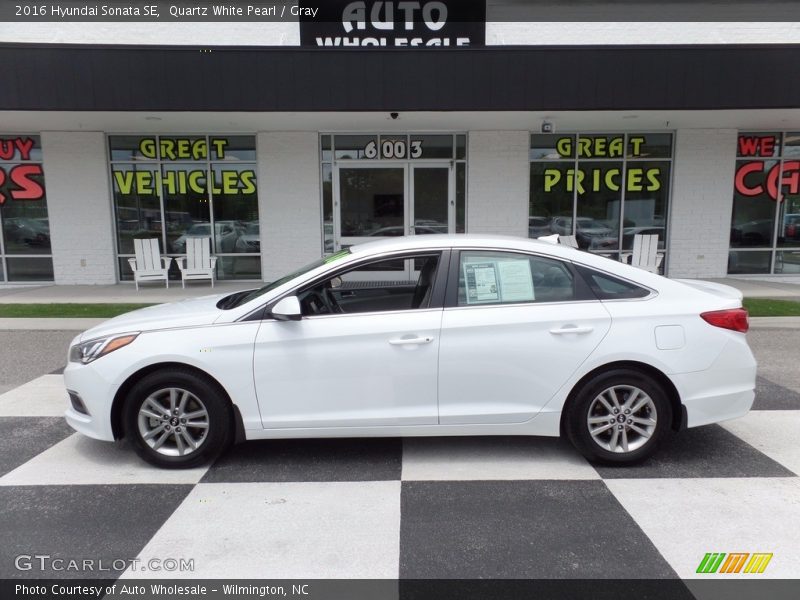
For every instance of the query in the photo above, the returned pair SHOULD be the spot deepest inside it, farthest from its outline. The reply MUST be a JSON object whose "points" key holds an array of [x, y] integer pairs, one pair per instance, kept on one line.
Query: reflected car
{"points": [[538, 226], [436, 226], [28, 231], [227, 232], [753, 233], [250, 239], [493, 336], [590, 233], [399, 231], [791, 226]]}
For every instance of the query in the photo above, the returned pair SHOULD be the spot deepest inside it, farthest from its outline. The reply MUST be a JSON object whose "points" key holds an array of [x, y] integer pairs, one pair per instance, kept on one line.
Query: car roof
{"points": [[501, 242]]}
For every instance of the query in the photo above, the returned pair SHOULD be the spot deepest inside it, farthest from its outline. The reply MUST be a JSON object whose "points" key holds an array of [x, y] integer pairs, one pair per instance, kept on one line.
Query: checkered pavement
{"points": [[496, 507]]}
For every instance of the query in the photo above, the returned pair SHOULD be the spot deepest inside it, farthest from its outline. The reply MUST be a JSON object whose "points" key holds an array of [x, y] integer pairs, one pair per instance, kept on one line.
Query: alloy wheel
{"points": [[173, 422], [622, 418]]}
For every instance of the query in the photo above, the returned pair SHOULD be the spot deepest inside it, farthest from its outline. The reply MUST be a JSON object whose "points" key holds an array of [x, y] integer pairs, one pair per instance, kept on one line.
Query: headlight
{"points": [[93, 349]]}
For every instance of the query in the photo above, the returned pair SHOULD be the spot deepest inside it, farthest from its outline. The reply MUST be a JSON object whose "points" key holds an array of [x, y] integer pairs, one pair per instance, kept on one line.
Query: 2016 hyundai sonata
{"points": [[421, 336]]}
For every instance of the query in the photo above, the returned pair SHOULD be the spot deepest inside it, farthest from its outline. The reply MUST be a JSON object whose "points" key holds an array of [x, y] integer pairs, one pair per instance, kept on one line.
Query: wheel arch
{"points": [[118, 404], [679, 414]]}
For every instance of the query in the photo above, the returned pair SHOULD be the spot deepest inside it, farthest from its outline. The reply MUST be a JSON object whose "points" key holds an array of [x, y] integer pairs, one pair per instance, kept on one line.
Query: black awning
{"points": [[36, 77]]}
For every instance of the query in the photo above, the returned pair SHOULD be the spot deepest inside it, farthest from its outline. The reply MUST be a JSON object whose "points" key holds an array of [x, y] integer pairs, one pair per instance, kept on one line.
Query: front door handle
{"points": [[409, 341], [572, 329]]}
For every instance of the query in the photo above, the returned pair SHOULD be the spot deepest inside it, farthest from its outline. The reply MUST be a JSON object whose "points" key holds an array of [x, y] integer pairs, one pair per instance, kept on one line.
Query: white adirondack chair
{"points": [[645, 253], [198, 262], [568, 240], [149, 265]]}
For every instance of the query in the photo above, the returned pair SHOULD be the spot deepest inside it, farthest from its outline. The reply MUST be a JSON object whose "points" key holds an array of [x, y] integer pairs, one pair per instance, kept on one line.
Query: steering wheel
{"points": [[330, 300]]}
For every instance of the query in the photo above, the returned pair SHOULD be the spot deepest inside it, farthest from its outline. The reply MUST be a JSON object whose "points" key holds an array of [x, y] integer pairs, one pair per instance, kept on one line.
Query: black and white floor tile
{"points": [[423, 508]]}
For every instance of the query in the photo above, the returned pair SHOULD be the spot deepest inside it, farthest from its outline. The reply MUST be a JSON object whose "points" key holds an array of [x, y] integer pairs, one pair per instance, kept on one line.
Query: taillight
{"points": [[733, 318]]}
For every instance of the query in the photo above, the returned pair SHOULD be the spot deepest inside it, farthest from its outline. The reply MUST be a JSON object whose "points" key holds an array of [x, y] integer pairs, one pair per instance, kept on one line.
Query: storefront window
{"points": [[25, 252], [177, 187], [602, 188], [765, 225]]}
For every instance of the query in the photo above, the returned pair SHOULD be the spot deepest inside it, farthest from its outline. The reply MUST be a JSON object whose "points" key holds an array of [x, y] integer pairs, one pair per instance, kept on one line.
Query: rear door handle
{"points": [[571, 329], [411, 341]]}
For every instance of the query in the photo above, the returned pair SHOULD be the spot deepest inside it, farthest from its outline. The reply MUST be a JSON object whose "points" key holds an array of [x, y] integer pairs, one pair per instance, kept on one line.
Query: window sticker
{"points": [[516, 282], [504, 280], [481, 281]]}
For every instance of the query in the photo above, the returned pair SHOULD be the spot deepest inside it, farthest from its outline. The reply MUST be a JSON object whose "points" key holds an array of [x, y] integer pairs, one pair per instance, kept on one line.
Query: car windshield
{"points": [[245, 297]]}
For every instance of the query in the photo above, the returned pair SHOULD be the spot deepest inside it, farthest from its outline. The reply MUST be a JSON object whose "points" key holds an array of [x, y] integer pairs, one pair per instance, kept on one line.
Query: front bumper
{"points": [[97, 395]]}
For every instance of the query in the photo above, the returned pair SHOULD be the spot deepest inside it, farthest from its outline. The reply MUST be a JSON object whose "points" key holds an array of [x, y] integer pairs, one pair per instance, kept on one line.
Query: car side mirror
{"points": [[287, 309]]}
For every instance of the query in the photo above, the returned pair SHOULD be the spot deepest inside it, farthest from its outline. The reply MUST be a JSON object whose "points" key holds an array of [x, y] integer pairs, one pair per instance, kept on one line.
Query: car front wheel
{"points": [[619, 417], [177, 419]]}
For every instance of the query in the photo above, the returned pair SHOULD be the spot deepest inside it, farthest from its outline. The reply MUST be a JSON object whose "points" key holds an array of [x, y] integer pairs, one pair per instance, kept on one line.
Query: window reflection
{"points": [[192, 187], [24, 221], [603, 188]]}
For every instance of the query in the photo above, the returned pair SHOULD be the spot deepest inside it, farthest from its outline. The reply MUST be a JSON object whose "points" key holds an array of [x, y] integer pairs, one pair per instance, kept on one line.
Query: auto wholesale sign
{"points": [[395, 24]]}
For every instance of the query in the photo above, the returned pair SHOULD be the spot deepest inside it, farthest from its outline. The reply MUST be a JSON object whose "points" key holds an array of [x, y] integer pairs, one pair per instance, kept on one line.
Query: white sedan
{"points": [[421, 336]]}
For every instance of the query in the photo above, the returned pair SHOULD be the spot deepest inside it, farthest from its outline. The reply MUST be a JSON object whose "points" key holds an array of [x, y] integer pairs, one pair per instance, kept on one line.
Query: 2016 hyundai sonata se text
{"points": [[422, 336]]}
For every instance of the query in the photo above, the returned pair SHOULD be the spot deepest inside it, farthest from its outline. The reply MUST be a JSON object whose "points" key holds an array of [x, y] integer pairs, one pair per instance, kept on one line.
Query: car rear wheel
{"points": [[619, 417], [177, 419]]}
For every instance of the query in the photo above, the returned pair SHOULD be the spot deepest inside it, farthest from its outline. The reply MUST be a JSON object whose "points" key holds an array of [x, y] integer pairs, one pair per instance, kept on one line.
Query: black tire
{"points": [[597, 448], [202, 394]]}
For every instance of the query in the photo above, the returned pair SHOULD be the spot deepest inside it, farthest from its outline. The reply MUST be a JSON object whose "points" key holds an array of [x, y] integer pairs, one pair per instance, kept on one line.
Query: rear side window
{"points": [[509, 278], [608, 287]]}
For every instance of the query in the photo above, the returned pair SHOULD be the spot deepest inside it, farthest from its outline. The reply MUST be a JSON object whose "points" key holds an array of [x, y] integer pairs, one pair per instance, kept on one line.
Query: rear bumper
{"points": [[724, 391]]}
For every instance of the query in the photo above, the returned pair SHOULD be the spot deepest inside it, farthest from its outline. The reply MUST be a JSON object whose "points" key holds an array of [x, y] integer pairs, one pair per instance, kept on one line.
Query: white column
{"points": [[498, 181], [79, 207], [702, 202], [289, 202]]}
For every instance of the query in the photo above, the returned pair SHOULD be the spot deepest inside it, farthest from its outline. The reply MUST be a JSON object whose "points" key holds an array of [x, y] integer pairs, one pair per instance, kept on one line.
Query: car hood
{"points": [[192, 312]]}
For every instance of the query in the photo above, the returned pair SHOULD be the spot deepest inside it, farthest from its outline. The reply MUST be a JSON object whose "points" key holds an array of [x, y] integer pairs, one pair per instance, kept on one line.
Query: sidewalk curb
{"points": [[774, 322]]}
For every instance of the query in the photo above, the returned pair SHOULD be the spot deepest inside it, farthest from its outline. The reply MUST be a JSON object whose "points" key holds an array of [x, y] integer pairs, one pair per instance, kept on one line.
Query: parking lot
{"points": [[386, 508]]}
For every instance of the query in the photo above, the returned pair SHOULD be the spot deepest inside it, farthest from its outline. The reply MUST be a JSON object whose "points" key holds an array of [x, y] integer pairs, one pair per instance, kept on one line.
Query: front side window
{"points": [[357, 291], [488, 277]]}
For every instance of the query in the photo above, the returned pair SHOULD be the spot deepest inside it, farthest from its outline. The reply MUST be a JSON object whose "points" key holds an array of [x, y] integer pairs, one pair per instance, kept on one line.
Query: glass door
{"points": [[432, 207], [371, 203], [390, 199]]}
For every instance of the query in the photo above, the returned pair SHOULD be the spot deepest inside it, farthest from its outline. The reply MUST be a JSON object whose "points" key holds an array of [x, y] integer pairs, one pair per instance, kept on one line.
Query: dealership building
{"points": [[285, 141]]}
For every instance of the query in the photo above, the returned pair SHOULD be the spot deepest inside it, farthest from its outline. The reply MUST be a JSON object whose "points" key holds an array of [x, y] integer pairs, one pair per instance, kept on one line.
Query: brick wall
{"points": [[79, 207], [288, 201], [498, 182], [702, 202]]}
